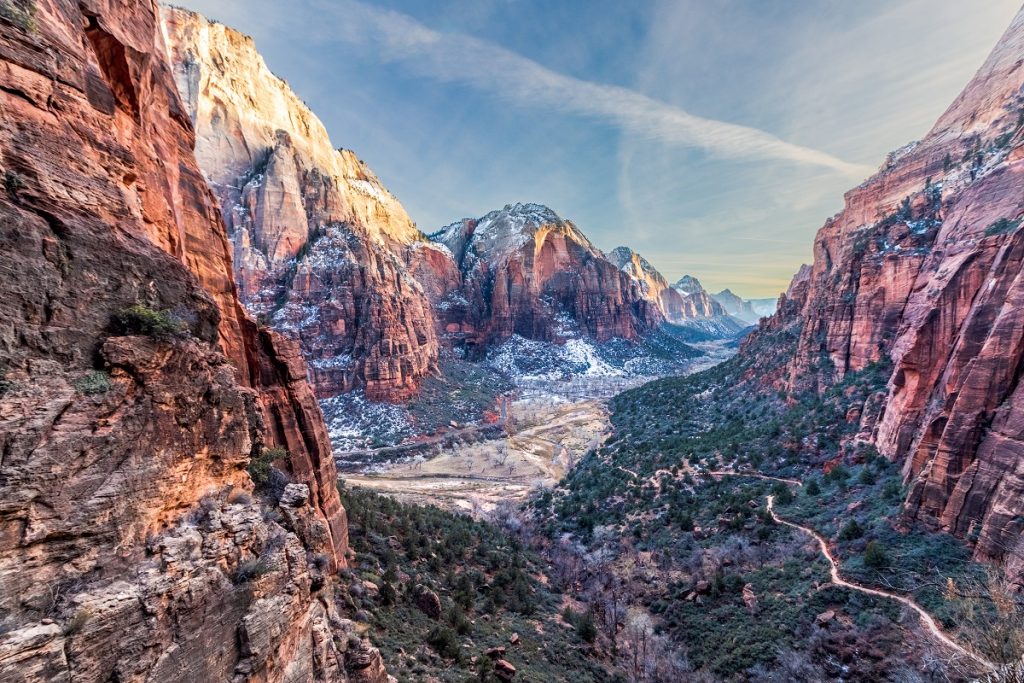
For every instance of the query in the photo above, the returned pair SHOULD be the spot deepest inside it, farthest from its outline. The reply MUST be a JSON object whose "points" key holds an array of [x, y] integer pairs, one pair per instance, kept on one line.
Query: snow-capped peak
{"points": [[688, 284], [517, 218], [506, 230]]}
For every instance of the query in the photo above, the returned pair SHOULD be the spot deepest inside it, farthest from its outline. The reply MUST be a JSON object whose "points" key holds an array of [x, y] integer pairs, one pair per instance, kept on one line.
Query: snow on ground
{"points": [[525, 360], [528, 363], [354, 422]]}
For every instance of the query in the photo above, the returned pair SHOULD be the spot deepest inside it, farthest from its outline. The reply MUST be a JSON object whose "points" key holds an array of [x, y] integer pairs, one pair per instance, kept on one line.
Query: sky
{"points": [[712, 136]]}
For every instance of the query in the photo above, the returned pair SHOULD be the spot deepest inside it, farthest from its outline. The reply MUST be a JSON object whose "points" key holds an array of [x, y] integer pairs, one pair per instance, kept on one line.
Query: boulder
{"points": [[504, 670], [426, 601]]}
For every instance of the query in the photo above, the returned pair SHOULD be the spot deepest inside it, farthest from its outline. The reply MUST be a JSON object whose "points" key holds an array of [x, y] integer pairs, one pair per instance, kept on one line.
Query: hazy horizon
{"points": [[714, 140]]}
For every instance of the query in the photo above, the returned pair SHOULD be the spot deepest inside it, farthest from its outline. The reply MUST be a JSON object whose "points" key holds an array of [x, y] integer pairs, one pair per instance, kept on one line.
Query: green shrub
{"points": [[96, 382], [838, 474], [875, 555], [249, 571], [583, 622], [142, 320], [13, 182], [78, 621], [812, 488], [457, 618], [1002, 227], [444, 642], [21, 13], [5, 384], [260, 466], [782, 493], [851, 531], [388, 595], [586, 628]]}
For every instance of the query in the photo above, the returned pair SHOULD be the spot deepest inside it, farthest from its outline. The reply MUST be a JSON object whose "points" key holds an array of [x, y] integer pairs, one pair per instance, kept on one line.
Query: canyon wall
{"points": [[923, 267], [134, 545], [653, 285], [697, 302], [685, 303], [320, 245], [325, 254], [526, 271]]}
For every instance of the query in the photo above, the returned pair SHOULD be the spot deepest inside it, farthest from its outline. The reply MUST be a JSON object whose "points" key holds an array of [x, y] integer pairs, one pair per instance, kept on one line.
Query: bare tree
{"points": [[991, 613]]}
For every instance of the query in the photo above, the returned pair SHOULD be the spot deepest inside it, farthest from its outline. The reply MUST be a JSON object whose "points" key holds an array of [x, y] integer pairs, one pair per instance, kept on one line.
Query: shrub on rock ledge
{"points": [[143, 320]]}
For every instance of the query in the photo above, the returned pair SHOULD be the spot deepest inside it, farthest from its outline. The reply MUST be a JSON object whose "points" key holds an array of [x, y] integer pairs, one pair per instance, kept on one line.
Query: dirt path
{"points": [[926, 618], [724, 473], [929, 622]]}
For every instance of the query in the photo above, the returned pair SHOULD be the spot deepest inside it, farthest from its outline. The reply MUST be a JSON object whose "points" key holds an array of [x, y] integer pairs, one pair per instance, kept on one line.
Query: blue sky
{"points": [[712, 136]]}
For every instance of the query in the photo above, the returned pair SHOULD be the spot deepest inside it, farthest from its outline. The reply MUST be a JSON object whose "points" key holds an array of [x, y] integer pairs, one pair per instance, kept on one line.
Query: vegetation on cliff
{"points": [[439, 590], [669, 518]]}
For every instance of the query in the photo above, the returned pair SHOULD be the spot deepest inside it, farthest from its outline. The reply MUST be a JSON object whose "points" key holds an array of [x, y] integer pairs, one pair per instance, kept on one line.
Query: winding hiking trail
{"points": [[753, 475], [926, 618], [838, 580]]}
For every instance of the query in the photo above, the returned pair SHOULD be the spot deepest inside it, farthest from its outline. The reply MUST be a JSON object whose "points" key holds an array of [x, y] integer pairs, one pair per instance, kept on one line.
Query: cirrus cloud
{"points": [[463, 59]]}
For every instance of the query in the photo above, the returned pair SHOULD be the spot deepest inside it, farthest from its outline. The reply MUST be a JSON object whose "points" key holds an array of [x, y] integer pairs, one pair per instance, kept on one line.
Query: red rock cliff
{"points": [[653, 285], [526, 271], [132, 547], [320, 245], [924, 266]]}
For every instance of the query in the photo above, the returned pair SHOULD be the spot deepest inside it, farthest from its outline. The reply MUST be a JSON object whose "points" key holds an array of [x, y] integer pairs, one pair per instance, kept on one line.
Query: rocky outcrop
{"points": [[923, 266], [653, 284], [749, 311], [525, 271], [322, 249], [685, 303], [133, 545], [697, 303]]}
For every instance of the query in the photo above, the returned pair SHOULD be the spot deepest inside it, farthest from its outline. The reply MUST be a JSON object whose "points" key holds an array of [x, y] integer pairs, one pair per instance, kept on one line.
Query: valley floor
{"points": [[550, 427], [548, 438]]}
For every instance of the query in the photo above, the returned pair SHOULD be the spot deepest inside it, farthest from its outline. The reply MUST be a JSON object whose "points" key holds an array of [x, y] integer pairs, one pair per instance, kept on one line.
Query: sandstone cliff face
{"points": [[686, 303], [321, 247], [696, 300], [924, 266], [132, 547], [653, 284], [526, 271]]}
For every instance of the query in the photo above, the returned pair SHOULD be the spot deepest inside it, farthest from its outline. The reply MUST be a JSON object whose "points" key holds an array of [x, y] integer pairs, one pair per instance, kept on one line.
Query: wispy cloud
{"points": [[488, 67]]}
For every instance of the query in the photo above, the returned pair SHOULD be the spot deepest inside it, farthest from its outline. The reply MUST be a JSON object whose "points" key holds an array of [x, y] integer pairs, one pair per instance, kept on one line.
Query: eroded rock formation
{"points": [[685, 303], [923, 266], [133, 546], [526, 271], [321, 247], [653, 284]]}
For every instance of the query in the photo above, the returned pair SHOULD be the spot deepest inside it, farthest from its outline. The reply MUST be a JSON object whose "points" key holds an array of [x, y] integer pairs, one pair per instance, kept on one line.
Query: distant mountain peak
{"points": [[623, 257], [688, 284], [507, 230]]}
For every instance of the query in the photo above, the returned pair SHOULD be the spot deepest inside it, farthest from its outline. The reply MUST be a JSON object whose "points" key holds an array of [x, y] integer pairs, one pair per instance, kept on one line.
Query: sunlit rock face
{"points": [[923, 266], [133, 548], [685, 303], [526, 271], [653, 285], [322, 249], [696, 300]]}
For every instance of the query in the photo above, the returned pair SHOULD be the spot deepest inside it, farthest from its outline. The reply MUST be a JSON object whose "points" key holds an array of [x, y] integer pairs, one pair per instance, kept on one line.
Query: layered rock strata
{"points": [[923, 267], [320, 245], [526, 271], [133, 545]]}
